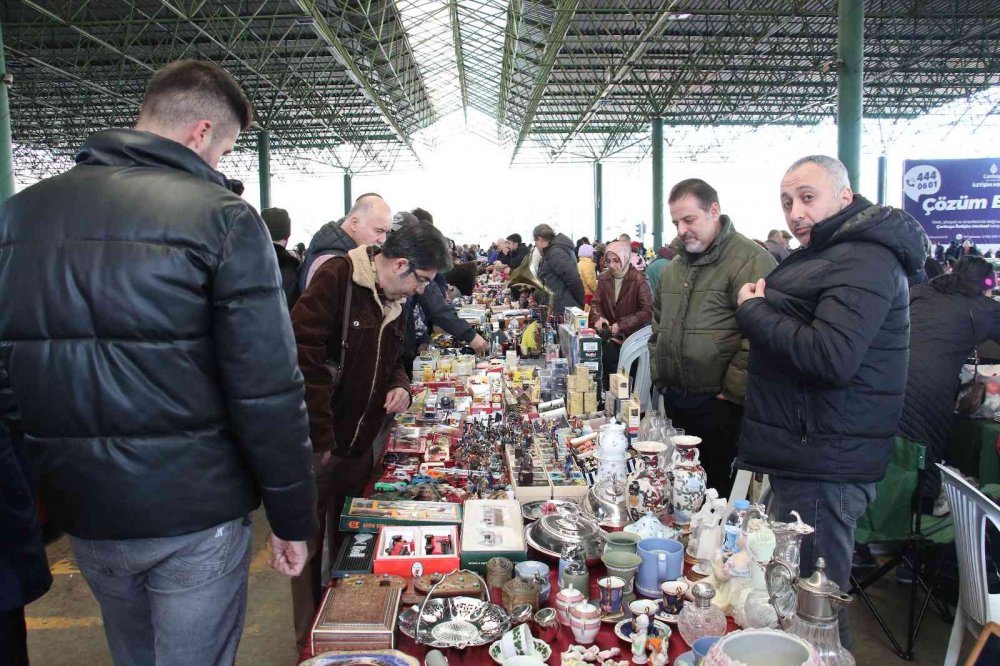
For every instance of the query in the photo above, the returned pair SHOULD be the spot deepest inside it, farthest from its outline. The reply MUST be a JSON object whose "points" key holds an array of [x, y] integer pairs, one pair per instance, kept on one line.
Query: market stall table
{"points": [[479, 656]]}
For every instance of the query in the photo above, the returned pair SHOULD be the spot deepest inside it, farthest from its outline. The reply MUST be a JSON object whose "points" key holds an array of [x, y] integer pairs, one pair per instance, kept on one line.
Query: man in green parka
{"points": [[698, 356]]}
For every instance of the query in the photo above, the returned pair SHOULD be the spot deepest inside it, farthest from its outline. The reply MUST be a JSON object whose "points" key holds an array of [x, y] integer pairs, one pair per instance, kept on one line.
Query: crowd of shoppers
{"points": [[197, 362]]}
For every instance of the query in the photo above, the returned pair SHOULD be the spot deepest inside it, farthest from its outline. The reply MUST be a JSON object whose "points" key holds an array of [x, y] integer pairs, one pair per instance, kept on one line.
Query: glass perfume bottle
{"points": [[701, 618]]}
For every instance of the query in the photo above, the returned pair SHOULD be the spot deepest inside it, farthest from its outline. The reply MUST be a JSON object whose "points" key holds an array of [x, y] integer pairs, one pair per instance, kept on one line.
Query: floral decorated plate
{"points": [[542, 651]]}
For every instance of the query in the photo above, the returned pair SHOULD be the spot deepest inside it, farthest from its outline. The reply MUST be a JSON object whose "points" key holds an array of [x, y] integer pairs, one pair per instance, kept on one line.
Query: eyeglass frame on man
{"points": [[422, 280]]}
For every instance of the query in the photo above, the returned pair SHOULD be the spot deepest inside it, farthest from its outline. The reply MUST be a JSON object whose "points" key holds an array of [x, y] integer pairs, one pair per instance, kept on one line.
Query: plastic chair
{"points": [[976, 606], [635, 349]]}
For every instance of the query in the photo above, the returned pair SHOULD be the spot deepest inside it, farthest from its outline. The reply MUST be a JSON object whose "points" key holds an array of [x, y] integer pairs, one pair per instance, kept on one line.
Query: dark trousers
{"points": [[833, 511], [717, 422], [13, 637], [610, 351], [337, 480]]}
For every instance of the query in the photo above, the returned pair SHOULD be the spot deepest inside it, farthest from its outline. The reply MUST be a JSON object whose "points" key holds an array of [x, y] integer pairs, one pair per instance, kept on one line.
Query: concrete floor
{"points": [[64, 626]]}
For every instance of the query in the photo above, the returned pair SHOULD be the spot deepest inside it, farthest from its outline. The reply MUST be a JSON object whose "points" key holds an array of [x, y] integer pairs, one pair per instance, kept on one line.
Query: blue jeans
{"points": [[833, 510], [171, 601]]}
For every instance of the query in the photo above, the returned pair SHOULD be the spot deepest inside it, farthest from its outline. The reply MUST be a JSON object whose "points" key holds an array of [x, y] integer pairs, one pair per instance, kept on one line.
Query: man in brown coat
{"points": [[345, 419], [623, 302]]}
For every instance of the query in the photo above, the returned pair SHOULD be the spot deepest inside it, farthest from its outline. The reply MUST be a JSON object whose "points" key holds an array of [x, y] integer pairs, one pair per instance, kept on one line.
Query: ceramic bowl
{"points": [[754, 647]]}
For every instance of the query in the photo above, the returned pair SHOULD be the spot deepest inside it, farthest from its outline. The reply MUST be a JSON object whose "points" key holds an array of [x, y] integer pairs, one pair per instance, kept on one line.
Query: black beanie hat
{"points": [[278, 223]]}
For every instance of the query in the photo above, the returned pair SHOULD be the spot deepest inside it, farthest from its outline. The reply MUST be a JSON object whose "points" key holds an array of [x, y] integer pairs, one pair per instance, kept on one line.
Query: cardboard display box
{"points": [[492, 528], [367, 515], [406, 550]]}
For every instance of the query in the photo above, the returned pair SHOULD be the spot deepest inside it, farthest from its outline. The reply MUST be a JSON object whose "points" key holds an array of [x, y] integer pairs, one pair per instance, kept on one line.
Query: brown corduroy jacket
{"points": [[347, 420]]}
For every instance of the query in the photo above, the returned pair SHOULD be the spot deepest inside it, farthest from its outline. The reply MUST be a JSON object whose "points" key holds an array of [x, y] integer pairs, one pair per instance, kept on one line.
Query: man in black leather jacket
{"points": [[151, 369]]}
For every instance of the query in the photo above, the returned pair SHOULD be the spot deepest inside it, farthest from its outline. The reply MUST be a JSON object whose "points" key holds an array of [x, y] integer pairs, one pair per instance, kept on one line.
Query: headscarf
{"points": [[665, 253], [585, 250], [622, 249]]}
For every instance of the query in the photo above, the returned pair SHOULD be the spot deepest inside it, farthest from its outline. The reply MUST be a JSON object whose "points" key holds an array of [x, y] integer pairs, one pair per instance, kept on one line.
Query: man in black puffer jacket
{"points": [[829, 333], [151, 369]]}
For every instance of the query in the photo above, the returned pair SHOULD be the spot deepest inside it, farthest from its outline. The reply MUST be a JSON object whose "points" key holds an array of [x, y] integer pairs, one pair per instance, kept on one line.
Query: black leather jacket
{"points": [[148, 355]]}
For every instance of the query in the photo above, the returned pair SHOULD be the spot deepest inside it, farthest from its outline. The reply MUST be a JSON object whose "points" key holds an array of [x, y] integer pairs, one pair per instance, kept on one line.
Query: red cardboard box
{"points": [[409, 550]]}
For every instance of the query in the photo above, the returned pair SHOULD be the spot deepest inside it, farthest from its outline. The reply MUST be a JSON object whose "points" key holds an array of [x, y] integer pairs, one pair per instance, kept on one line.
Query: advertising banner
{"points": [[950, 197]]}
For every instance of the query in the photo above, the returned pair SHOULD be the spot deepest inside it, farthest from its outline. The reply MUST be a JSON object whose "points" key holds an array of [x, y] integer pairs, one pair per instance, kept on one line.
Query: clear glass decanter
{"points": [[701, 618]]}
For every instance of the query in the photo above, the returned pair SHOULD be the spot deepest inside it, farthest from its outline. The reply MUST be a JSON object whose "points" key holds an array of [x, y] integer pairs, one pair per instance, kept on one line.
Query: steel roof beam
{"points": [[343, 55], [642, 44], [564, 11], [456, 35], [510, 44]]}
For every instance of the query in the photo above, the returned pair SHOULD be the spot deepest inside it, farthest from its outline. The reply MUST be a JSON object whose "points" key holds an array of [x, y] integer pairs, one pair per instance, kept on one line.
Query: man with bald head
{"points": [[367, 223], [829, 339]]}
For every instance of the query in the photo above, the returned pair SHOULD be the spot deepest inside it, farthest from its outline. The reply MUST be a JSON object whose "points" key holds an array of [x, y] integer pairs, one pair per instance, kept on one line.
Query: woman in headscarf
{"points": [[623, 302]]}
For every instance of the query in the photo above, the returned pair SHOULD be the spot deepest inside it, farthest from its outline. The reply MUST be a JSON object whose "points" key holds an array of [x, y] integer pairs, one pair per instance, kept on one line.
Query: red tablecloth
{"points": [[479, 656]]}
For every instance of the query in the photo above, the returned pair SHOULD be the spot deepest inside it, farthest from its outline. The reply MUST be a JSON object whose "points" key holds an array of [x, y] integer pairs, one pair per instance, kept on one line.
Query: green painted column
{"points": [[883, 173], [6, 151], [850, 85], [348, 201], [264, 167], [598, 200], [657, 182]]}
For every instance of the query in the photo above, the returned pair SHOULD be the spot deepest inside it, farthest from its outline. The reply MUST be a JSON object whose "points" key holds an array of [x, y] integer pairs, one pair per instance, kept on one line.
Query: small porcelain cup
{"points": [[518, 642]]}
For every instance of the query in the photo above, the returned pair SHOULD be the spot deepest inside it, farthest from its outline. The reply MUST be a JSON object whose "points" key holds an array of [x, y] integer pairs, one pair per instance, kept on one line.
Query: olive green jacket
{"points": [[696, 346]]}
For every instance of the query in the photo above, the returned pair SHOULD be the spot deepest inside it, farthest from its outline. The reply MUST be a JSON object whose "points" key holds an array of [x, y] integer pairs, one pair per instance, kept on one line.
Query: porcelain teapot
{"points": [[612, 442]]}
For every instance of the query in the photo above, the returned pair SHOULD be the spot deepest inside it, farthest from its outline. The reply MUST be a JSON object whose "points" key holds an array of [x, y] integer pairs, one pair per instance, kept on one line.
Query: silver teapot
{"points": [[809, 608]]}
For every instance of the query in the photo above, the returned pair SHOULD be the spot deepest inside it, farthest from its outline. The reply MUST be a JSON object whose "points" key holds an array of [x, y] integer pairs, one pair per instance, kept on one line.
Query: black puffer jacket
{"points": [[945, 328], [558, 271], [149, 355], [828, 349]]}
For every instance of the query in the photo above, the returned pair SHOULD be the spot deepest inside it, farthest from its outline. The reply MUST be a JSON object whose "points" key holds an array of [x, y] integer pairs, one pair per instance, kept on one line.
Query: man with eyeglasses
{"points": [[345, 419]]}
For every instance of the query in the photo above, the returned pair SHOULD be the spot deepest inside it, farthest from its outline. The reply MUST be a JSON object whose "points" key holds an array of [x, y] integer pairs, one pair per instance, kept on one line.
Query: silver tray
{"points": [[457, 622]]}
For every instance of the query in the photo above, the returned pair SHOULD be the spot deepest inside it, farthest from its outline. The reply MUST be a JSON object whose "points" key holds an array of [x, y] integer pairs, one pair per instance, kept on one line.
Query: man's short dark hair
{"points": [[543, 231], [423, 215], [515, 238], [190, 90], [696, 187], [774, 234], [421, 244]]}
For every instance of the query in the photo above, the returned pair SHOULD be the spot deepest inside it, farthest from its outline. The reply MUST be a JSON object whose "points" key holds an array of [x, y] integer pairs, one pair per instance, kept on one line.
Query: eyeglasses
{"points": [[422, 281]]}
